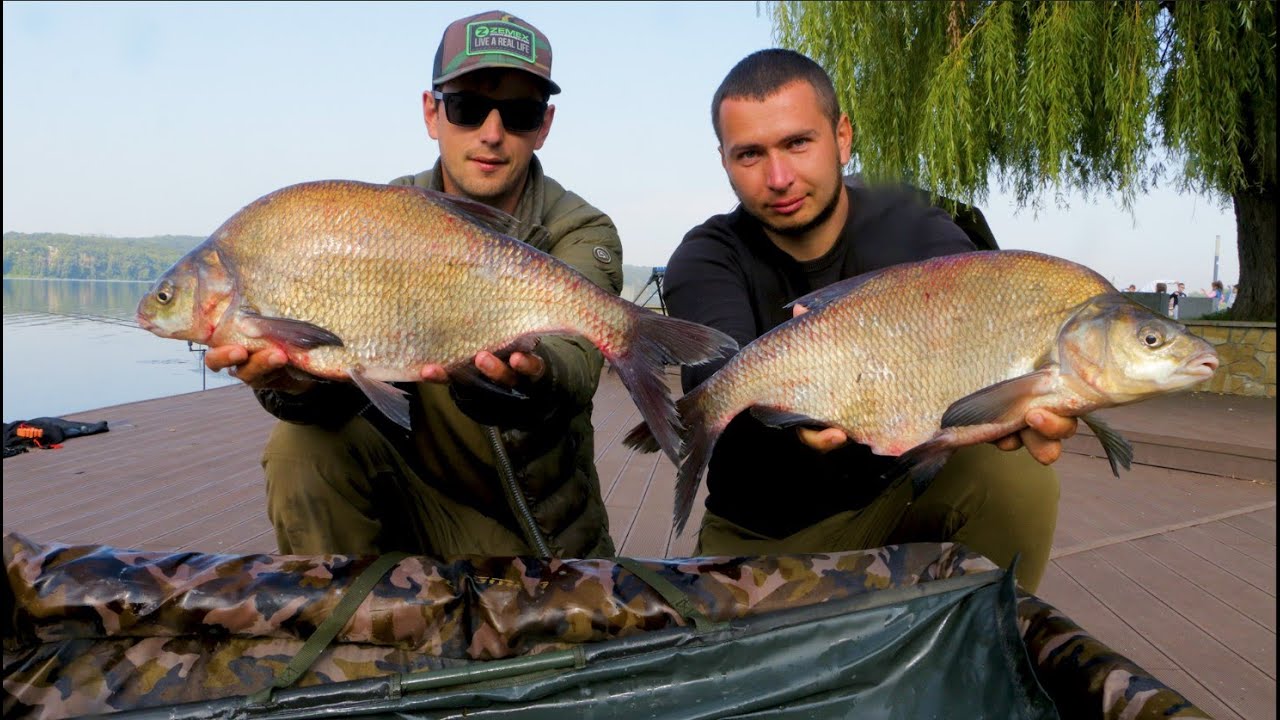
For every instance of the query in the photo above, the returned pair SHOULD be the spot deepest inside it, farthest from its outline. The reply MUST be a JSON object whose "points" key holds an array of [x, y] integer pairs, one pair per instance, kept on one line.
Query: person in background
{"points": [[800, 226], [1217, 295], [1131, 288], [1175, 298], [483, 472]]}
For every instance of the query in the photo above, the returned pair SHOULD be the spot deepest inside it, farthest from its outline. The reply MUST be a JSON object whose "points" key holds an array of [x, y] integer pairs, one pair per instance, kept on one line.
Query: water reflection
{"points": [[72, 345], [101, 298]]}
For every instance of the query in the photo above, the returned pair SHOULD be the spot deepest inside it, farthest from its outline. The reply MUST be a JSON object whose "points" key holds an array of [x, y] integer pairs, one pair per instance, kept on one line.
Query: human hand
{"points": [[823, 440], [520, 366], [1042, 437], [261, 370]]}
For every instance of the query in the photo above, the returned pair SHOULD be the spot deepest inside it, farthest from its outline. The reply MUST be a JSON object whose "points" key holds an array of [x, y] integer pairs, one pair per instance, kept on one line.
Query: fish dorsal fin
{"points": [[825, 296], [477, 212]]}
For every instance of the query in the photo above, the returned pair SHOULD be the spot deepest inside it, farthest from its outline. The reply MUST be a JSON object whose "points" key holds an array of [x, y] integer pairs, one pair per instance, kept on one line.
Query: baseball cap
{"points": [[493, 39]]}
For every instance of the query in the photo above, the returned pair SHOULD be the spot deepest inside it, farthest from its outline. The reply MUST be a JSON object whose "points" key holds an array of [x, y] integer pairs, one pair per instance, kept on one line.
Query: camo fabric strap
{"points": [[675, 597], [328, 629]]}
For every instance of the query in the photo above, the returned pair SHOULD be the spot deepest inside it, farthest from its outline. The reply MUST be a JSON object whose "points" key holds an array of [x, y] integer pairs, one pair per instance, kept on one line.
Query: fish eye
{"points": [[1151, 338], [164, 293]]}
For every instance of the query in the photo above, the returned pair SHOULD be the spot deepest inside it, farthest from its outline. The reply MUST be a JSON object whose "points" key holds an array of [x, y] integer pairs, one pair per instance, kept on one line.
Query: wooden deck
{"points": [[1173, 565]]}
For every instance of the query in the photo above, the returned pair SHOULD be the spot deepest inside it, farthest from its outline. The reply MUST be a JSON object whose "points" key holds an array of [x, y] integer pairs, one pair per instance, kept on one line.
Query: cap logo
{"points": [[487, 37]]}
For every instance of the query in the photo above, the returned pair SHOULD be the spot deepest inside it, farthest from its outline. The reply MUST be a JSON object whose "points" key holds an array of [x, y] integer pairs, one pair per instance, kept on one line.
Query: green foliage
{"points": [[81, 257], [1049, 95]]}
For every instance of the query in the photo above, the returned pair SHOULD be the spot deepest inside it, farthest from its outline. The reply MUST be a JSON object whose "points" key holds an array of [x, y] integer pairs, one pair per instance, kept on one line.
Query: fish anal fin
{"points": [[922, 463], [641, 439], [389, 399], [293, 333], [1003, 403], [1119, 451]]}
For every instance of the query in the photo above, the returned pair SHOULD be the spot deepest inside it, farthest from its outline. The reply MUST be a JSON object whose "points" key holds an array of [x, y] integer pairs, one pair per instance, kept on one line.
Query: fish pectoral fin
{"points": [[389, 399], [1003, 403], [469, 375], [296, 333], [779, 418], [1119, 451]]}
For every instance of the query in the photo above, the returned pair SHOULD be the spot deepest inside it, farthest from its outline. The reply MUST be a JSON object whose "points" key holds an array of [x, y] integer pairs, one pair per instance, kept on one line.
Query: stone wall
{"points": [[1248, 354]]}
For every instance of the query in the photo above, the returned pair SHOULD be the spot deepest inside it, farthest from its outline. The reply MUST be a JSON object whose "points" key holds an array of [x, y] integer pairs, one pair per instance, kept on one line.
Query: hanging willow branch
{"points": [[1049, 96]]}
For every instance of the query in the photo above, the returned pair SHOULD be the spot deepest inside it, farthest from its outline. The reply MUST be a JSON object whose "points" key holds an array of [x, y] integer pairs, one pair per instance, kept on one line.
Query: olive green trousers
{"points": [[350, 492], [996, 503]]}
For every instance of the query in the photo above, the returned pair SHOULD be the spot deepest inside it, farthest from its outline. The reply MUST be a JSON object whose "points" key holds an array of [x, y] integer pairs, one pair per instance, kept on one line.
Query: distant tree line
{"points": [[89, 257]]}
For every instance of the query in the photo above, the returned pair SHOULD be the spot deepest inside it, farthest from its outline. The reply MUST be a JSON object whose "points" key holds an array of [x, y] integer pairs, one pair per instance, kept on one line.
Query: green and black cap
{"points": [[493, 39]]}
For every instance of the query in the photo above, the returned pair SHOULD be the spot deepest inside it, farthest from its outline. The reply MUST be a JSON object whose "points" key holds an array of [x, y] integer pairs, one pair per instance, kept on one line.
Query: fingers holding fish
{"points": [[518, 368], [824, 440], [225, 357], [1042, 437], [262, 369]]}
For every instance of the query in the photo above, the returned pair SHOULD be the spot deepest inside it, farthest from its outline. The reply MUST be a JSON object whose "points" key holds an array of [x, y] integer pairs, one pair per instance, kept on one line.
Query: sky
{"points": [[138, 119]]}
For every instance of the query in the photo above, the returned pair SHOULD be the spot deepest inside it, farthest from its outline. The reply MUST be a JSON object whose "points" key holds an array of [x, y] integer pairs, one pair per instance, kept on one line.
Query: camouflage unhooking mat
{"points": [[907, 631]]}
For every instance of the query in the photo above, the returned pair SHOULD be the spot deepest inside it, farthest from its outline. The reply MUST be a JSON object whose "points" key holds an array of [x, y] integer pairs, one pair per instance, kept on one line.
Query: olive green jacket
{"points": [[547, 435]]}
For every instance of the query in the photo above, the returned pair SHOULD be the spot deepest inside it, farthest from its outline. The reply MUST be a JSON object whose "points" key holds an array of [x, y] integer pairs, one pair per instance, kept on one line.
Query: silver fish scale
{"points": [[402, 280], [885, 361]]}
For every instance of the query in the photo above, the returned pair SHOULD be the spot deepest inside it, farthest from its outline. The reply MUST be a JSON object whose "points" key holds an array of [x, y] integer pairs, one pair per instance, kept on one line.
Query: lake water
{"points": [[72, 345]]}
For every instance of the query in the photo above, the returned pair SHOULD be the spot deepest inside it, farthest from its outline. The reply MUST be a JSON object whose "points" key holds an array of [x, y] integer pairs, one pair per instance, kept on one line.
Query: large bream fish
{"points": [[919, 359], [371, 282]]}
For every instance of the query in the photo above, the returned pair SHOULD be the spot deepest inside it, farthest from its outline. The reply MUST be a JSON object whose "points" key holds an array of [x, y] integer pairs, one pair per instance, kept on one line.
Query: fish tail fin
{"points": [[700, 437], [697, 439], [654, 341], [922, 463]]}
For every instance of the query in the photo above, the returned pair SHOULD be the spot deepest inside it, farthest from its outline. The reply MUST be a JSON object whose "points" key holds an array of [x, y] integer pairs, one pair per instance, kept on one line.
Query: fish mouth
{"points": [[1202, 365], [144, 323]]}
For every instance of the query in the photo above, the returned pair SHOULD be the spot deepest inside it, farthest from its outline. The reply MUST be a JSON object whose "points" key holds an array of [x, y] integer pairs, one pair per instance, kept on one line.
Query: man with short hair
{"points": [[800, 227], [482, 472]]}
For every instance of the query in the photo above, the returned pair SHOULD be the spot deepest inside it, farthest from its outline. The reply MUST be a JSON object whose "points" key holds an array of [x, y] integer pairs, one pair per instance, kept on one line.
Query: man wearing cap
{"points": [[483, 472]]}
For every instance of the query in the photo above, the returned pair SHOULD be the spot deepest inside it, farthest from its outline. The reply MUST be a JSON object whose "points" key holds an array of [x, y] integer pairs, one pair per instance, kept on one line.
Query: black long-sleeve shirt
{"points": [[727, 274]]}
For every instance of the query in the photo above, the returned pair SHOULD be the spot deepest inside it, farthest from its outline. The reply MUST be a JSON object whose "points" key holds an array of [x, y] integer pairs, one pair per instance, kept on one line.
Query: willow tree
{"points": [[1099, 97]]}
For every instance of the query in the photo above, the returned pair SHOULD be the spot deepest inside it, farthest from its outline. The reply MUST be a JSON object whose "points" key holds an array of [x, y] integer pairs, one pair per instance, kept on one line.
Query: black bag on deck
{"points": [[44, 432]]}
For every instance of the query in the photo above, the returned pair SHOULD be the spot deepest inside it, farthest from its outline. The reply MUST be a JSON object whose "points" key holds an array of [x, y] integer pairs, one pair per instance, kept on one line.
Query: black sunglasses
{"points": [[467, 110]]}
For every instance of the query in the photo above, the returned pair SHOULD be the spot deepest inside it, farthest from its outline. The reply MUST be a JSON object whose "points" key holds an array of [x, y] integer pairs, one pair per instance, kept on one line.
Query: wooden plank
{"points": [[1212, 580], [252, 532], [1260, 524], [1064, 592], [141, 529], [650, 533], [1244, 637], [1146, 532], [620, 519], [189, 536], [1247, 544], [1229, 559], [1239, 685]]}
